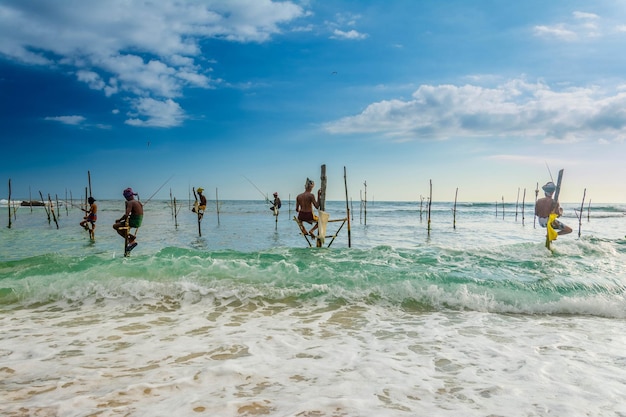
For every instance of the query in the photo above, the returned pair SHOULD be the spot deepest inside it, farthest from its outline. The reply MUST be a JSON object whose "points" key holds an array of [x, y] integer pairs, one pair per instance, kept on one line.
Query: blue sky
{"points": [[475, 95]]}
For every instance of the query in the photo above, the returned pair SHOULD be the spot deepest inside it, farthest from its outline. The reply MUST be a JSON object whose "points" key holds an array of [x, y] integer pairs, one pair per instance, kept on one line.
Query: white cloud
{"points": [[147, 49], [557, 31], [583, 26], [155, 113], [67, 120], [512, 110], [345, 19], [352, 34]]}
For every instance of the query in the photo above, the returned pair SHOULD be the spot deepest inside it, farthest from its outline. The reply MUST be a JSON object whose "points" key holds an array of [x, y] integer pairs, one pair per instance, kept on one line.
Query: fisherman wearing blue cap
{"points": [[546, 206]]}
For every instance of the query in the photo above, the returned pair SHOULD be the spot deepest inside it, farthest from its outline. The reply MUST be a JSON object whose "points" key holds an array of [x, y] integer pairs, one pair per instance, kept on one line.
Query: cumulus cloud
{"points": [[345, 19], [514, 109], [133, 47], [352, 34], [154, 113]]}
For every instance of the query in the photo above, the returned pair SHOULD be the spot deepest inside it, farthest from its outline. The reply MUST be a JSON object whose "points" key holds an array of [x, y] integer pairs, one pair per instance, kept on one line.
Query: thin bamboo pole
{"points": [[523, 206], [54, 216], [9, 202], [454, 209], [365, 204], [430, 203], [47, 209], [536, 197], [174, 212], [580, 215], [217, 207], [502, 207], [345, 182], [589, 211], [321, 201]]}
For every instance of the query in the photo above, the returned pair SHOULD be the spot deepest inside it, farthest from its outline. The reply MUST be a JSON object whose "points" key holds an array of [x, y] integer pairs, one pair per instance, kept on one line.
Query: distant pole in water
{"points": [[589, 211], [345, 182], [361, 207], [496, 208], [54, 216], [502, 207], [430, 203], [9, 204], [89, 182], [454, 209], [174, 211], [30, 199], [172, 205], [47, 209], [523, 204], [365, 204], [580, 215], [421, 206]]}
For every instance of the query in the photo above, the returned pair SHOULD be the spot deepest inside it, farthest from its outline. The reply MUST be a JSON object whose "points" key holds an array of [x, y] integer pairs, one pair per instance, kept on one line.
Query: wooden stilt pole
{"points": [[47, 209], [430, 203], [174, 212], [580, 215], [536, 197], [9, 204], [523, 206], [365, 204], [217, 207], [54, 216], [345, 182], [454, 209], [502, 207], [322, 202]]}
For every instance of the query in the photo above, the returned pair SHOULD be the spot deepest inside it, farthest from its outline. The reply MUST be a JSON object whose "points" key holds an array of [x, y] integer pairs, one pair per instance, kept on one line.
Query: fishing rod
{"points": [[549, 172], [267, 200], [158, 189]]}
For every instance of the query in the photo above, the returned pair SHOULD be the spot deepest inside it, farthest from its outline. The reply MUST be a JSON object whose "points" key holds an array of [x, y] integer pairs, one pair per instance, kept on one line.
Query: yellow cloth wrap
{"points": [[552, 234]]}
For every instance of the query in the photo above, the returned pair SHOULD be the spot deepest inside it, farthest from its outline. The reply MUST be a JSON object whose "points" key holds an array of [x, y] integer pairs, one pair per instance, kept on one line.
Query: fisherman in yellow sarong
{"points": [[547, 210]]}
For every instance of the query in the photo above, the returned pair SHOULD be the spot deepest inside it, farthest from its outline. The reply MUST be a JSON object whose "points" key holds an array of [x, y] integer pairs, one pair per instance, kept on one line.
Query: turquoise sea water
{"points": [[476, 320]]}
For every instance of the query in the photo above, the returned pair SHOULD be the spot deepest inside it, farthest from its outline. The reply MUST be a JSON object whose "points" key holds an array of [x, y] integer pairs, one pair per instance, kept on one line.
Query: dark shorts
{"points": [[92, 218], [135, 220], [306, 217]]}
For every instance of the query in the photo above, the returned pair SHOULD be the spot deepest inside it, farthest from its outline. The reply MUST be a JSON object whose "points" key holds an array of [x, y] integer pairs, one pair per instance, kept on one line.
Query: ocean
{"points": [[472, 318]]}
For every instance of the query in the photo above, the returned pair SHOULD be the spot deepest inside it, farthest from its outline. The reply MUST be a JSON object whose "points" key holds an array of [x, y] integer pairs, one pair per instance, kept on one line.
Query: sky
{"points": [[249, 97]]}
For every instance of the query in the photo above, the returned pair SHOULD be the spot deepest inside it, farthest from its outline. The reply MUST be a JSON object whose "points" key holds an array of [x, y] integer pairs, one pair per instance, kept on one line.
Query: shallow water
{"points": [[477, 320]]}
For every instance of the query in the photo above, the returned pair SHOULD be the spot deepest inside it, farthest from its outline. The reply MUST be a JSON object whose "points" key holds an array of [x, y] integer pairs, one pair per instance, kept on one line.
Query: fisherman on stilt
{"points": [[304, 207], [547, 210], [200, 207], [276, 204], [91, 215], [132, 218]]}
